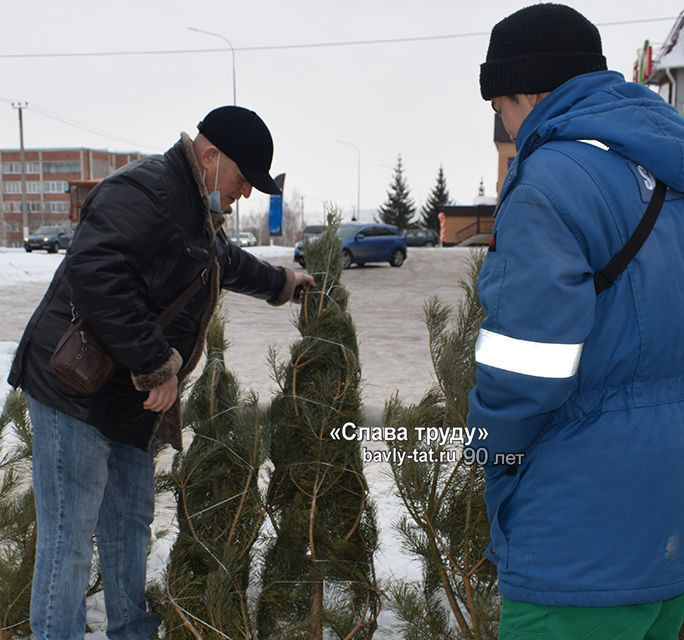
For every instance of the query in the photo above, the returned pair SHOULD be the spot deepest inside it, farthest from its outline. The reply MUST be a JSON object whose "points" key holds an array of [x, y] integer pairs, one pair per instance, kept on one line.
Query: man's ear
{"points": [[538, 97], [208, 157]]}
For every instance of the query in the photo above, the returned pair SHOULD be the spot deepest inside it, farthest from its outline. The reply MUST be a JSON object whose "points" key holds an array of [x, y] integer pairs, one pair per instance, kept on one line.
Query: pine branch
{"points": [[18, 529]]}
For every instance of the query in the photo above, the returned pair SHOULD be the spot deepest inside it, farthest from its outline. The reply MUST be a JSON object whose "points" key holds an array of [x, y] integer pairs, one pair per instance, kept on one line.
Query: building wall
{"points": [[665, 90], [463, 222], [48, 172], [456, 224], [679, 97], [506, 149], [506, 154]]}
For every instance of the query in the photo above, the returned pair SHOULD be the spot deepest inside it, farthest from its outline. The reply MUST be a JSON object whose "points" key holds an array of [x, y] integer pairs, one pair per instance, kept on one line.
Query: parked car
{"points": [[366, 242], [247, 239], [52, 239], [421, 238], [312, 231]]}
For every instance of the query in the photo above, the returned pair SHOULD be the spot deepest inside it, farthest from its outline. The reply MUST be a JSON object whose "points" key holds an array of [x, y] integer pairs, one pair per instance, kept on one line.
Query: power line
{"points": [[79, 125], [309, 45]]}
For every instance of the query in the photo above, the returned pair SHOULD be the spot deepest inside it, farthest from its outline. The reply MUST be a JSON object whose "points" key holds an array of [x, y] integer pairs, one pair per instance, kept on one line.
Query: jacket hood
{"points": [[627, 117]]}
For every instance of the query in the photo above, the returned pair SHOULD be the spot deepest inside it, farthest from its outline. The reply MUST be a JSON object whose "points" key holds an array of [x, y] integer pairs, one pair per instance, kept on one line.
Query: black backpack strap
{"points": [[605, 278]]}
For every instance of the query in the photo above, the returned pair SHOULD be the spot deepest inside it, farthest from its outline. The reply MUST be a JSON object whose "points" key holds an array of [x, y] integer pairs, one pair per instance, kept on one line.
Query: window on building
{"points": [[57, 186], [57, 207], [12, 206], [11, 187], [32, 186], [62, 167], [15, 167]]}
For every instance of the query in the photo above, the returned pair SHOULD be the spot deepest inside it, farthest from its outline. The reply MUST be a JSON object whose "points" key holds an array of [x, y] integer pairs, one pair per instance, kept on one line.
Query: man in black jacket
{"points": [[145, 234]]}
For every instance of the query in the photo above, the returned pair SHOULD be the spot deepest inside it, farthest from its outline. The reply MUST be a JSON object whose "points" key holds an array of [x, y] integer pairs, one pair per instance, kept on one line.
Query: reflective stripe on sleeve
{"points": [[541, 359]]}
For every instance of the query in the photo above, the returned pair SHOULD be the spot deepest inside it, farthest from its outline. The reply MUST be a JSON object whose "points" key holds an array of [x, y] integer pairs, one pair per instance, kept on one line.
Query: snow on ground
{"points": [[7, 350], [17, 267]]}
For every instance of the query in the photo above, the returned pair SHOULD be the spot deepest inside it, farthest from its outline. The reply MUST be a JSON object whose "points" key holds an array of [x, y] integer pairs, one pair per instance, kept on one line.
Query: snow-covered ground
{"points": [[427, 271]]}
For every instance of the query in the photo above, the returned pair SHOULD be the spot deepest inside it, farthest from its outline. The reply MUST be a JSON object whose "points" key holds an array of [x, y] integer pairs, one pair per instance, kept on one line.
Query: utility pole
{"points": [[20, 106]]}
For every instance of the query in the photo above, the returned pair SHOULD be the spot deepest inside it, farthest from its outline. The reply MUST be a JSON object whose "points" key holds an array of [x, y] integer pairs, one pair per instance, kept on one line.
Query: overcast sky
{"points": [[417, 98]]}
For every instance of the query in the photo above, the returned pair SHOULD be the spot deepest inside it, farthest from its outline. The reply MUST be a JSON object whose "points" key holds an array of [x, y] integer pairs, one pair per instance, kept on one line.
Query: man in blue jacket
{"points": [[582, 393]]}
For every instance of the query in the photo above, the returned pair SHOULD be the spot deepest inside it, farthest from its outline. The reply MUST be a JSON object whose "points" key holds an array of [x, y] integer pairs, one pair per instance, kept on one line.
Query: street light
{"points": [[232, 50], [358, 177]]}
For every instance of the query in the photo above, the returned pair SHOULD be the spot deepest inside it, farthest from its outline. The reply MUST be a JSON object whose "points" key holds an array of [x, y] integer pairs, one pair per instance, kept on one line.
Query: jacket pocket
{"points": [[499, 493], [174, 271]]}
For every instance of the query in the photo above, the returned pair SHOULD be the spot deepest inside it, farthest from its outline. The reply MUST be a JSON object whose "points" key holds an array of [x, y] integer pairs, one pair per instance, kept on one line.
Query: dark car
{"points": [[52, 239], [361, 243], [421, 238]]}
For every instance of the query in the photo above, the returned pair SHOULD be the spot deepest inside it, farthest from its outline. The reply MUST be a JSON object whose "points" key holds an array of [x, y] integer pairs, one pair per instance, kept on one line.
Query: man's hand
{"points": [[161, 398], [302, 279]]}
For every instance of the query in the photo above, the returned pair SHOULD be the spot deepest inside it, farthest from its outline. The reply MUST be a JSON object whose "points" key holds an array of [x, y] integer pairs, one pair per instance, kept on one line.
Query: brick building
{"points": [[48, 174]]}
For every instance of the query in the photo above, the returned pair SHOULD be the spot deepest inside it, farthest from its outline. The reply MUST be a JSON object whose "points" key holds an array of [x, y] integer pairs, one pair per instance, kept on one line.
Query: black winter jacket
{"points": [[143, 237]]}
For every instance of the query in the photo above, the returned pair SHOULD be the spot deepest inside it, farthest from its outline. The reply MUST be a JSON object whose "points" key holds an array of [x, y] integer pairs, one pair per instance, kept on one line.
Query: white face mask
{"points": [[215, 195]]}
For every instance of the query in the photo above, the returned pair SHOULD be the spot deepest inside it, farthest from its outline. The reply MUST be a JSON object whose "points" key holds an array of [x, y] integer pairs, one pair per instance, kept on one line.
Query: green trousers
{"points": [[651, 621]]}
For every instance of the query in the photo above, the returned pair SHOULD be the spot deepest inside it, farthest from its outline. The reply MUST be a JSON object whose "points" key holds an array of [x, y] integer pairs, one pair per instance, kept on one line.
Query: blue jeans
{"points": [[86, 484]]}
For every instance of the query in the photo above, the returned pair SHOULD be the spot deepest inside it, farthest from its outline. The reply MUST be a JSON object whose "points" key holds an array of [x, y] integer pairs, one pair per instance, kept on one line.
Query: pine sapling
{"points": [[220, 509], [318, 575]]}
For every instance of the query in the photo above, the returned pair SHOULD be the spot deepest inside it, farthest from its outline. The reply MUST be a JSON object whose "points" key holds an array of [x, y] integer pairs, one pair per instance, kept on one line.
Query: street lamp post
{"points": [[358, 177], [232, 50]]}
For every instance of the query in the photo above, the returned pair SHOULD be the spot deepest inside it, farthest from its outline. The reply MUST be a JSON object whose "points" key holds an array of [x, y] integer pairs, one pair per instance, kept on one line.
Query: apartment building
{"points": [[49, 173]]}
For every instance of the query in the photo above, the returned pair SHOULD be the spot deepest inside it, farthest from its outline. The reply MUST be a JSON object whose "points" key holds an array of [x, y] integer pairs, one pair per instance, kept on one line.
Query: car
{"points": [[312, 231], [247, 239], [52, 239], [365, 242], [421, 238]]}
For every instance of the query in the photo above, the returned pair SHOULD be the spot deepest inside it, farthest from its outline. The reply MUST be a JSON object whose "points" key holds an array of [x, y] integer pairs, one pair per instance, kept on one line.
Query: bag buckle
{"points": [[205, 276]]}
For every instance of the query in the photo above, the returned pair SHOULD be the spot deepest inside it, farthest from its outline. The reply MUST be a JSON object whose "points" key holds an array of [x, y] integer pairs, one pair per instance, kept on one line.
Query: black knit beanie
{"points": [[539, 48]]}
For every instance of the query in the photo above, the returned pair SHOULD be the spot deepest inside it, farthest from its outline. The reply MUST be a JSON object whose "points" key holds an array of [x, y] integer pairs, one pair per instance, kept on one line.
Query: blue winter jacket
{"points": [[589, 389]]}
